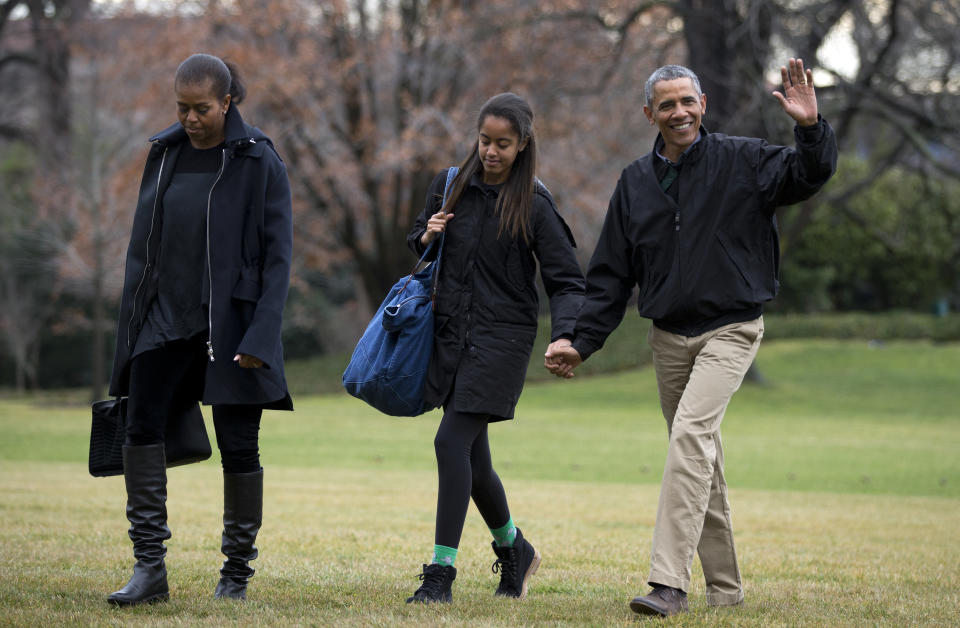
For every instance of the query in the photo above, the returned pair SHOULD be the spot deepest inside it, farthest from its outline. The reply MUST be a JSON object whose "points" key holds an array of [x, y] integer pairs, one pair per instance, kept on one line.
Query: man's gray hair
{"points": [[669, 73]]}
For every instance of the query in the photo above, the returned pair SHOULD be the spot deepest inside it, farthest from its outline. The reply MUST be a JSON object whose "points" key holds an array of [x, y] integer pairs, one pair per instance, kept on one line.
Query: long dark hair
{"points": [[226, 79], [515, 201]]}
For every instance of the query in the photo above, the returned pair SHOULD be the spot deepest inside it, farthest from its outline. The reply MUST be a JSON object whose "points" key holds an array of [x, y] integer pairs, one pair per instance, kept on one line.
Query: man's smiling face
{"points": [[677, 110]]}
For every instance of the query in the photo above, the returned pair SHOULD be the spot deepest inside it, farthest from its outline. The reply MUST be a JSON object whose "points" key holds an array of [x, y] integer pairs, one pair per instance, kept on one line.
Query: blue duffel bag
{"points": [[388, 368]]}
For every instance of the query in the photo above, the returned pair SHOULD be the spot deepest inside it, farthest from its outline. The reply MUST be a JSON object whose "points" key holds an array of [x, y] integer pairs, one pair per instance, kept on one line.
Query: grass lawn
{"points": [[844, 471]]}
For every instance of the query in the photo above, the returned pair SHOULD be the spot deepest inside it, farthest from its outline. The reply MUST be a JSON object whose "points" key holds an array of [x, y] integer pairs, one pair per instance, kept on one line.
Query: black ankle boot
{"points": [[516, 564], [145, 475], [437, 583], [242, 516]]}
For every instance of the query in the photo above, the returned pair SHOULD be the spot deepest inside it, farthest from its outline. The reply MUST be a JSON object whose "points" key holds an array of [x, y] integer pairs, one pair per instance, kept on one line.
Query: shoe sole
{"points": [[641, 607], [532, 569], [444, 600], [160, 597]]}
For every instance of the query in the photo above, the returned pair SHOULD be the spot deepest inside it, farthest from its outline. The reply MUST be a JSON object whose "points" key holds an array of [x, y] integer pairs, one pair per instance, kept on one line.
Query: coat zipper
{"points": [[146, 267], [676, 224], [676, 220], [223, 163]]}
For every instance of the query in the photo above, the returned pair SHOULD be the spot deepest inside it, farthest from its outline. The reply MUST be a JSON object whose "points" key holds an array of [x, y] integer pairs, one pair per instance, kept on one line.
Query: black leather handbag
{"points": [[186, 438]]}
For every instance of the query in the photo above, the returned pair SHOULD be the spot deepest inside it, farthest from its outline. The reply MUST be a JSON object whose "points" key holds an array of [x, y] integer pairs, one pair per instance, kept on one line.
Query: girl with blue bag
{"points": [[498, 222]]}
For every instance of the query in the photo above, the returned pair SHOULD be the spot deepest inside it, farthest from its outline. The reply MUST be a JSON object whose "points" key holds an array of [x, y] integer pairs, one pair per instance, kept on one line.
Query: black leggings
{"points": [[466, 470], [174, 374]]}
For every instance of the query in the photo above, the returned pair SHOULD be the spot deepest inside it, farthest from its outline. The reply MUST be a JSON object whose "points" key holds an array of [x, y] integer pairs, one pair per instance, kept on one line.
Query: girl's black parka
{"points": [[245, 280], [486, 309]]}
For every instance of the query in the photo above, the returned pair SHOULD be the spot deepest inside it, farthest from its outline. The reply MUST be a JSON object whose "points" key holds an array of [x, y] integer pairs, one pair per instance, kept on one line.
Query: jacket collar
{"points": [[692, 153], [237, 133], [476, 181]]}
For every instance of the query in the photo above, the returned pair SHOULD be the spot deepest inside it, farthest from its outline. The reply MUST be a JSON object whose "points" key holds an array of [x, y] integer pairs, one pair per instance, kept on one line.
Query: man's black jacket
{"points": [[712, 257]]}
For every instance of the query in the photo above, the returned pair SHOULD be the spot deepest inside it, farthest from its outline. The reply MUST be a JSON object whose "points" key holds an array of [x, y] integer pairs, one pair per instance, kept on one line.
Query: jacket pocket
{"points": [[729, 252], [644, 276], [502, 354], [516, 269], [248, 286], [514, 332]]}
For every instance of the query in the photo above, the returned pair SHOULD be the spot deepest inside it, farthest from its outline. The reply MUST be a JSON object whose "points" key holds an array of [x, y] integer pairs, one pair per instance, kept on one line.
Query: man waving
{"points": [[692, 224]]}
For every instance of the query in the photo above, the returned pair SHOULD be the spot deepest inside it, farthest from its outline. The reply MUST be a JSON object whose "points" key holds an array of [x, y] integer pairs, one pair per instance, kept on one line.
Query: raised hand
{"points": [[799, 100], [561, 358]]}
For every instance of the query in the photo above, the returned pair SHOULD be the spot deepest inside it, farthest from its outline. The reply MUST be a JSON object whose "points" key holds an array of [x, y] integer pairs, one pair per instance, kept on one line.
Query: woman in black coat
{"points": [[207, 272], [498, 222]]}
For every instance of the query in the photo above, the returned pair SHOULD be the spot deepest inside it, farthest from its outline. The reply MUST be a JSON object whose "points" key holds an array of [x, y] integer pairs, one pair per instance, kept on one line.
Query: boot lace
{"points": [[507, 568], [432, 586]]}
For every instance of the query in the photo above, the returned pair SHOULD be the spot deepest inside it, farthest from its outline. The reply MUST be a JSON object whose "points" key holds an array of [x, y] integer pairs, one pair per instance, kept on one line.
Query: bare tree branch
{"points": [[11, 132], [870, 69], [23, 58], [6, 9]]}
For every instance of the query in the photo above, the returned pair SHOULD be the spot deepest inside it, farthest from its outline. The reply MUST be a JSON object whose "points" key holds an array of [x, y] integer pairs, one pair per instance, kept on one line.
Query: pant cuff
{"points": [[724, 599], [660, 577]]}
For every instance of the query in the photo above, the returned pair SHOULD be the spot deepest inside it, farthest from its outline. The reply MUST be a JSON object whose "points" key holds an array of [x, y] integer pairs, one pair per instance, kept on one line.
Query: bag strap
{"points": [[451, 174]]}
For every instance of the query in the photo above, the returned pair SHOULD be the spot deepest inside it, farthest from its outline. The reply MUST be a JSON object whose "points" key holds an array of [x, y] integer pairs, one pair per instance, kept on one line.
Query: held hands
{"points": [[561, 358], [247, 361], [798, 100], [436, 225]]}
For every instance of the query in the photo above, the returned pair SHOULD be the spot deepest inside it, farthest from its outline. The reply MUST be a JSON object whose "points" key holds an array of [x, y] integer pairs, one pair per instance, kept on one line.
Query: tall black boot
{"points": [[145, 475], [242, 516]]}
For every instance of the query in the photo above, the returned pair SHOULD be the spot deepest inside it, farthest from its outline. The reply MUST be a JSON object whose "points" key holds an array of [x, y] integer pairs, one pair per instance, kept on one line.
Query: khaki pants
{"points": [[696, 378]]}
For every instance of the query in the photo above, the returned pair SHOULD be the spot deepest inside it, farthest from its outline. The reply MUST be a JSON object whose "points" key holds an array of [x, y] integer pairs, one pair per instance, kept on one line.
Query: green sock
{"points": [[443, 555], [506, 535]]}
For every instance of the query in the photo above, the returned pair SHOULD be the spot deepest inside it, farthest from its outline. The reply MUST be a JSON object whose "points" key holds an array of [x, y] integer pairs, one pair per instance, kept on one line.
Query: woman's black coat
{"points": [[485, 321], [249, 242]]}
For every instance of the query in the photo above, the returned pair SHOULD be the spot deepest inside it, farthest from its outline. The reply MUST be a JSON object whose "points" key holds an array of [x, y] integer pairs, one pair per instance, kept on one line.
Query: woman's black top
{"points": [[179, 310]]}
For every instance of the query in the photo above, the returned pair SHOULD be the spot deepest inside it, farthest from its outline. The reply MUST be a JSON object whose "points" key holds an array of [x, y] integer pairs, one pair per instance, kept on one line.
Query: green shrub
{"points": [[627, 348], [886, 326]]}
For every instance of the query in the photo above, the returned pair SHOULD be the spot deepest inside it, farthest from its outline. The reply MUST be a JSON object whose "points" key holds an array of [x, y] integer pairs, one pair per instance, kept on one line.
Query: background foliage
{"points": [[367, 100]]}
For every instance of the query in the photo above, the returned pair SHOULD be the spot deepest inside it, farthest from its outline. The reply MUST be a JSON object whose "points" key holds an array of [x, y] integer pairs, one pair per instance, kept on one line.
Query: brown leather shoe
{"points": [[662, 601]]}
